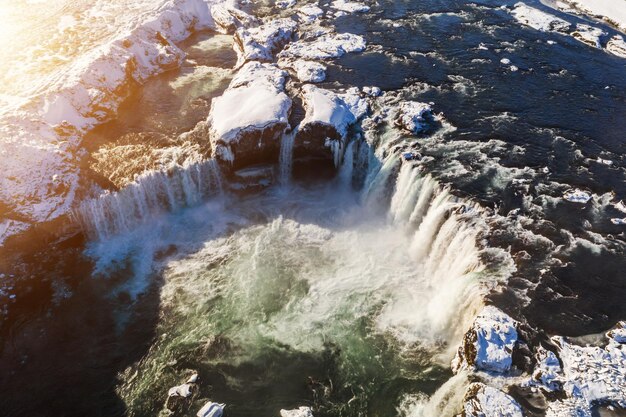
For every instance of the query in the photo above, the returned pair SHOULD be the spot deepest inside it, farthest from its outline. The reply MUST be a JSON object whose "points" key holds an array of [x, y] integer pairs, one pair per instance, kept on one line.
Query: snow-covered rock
{"points": [[538, 19], [349, 6], [248, 120], [330, 45], [612, 11], [485, 401], [577, 196], [415, 117], [618, 334], [285, 4], [372, 91], [617, 46], [309, 71], [489, 343], [228, 18], [325, 107], [262, 42], [299, 412], [310, 13], [323, 131], [211, 409], [592, 375], [589, 35], [547, 373]]}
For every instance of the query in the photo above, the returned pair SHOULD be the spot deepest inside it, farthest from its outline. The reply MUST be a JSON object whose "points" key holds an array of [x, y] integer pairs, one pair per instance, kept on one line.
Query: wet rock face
{"points": [[249, 119], [489, 344], [484, 401]]}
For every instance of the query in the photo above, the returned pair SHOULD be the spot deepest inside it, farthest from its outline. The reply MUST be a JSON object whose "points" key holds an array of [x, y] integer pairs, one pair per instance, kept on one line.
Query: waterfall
{"points": [[377, 183], [286, 156], [444, 233], [347, 167], [151, 193]]}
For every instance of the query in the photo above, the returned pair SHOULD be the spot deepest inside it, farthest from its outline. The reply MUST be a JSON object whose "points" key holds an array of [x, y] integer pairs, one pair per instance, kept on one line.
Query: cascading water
{"points": [[286, 156], [347, 167], [150, 194]]}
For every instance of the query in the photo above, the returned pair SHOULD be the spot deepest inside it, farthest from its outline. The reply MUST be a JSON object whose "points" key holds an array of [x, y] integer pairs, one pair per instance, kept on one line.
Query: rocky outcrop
{"points": [[249, 119], [489, 344]]}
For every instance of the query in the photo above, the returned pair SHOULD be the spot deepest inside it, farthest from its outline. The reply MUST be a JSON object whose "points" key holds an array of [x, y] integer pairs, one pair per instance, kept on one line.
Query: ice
{"points": [[285, 4], [592, 375], [617, 46], [548, 372], [589, 35]]}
